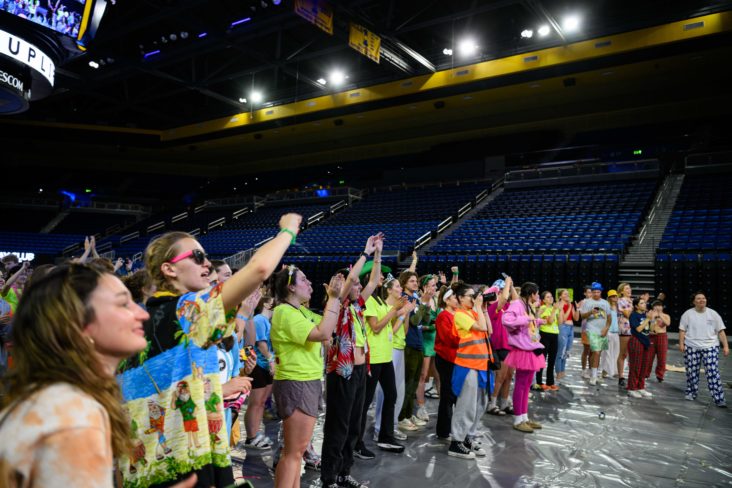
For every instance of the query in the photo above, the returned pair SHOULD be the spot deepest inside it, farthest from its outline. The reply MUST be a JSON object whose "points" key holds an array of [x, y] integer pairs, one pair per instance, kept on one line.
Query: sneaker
{"points": [[621, 381], [447, 439], [593, 381], [585, 374], [553, 388], [390, 446], [604, 374], [659, 379], [399, 435], [523, 427], [407, 425], [634, 394], [349, 482], [494, 410], [363, 453], [476, 446], [422, 414], [537, 387], [646, 393], [689, 397], [722, 405], [533, 424], [260, 441], [417, 421], [458, 449]]}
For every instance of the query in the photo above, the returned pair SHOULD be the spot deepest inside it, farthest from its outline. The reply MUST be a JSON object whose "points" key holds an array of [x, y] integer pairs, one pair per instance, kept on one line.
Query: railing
{"points": [[239, 259], [337, 206], [261, 243], [108, 255], [315, 218], [662, 193], [216, 223], [179, 217], [129, 237], [422, 240], [137, 257], [155, 226], [465, 209], [579, 167], [200, 208], [240, 212], [445, 224], [104, 247], [195, 232]]}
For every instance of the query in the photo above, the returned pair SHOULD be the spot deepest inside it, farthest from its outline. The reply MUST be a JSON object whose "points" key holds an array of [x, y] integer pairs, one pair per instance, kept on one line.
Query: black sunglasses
{"points": [[198, 256]]}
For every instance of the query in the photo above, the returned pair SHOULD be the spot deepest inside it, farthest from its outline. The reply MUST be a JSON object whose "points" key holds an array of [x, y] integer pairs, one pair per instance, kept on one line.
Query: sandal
{"points": [[496, 411], [432, 394]]}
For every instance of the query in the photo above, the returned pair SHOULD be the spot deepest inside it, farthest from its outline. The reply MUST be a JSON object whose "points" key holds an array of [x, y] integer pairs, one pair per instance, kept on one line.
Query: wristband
{"points": [[288, 231], [244, 318], [366, 255]]}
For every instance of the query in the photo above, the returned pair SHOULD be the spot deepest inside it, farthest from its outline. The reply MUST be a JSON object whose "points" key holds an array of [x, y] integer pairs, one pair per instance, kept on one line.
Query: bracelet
{"points": [[244, 318], [366, 255], [288, 231]]}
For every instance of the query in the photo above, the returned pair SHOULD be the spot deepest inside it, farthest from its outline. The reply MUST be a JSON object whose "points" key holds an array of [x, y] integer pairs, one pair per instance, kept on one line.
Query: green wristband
{"points": [[288, 231]]}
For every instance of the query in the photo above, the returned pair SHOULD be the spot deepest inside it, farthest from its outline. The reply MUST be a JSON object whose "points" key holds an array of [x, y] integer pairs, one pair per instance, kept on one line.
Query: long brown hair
{"points": [[161, 250], [49, 346]]}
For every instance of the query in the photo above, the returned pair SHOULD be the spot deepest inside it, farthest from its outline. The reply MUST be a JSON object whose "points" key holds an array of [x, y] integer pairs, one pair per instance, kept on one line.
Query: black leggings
{"points": [[382, 374], [551, 343]]}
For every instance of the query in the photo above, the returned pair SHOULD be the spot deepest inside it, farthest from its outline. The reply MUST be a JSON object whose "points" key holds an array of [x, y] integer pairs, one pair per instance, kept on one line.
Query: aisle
{"points": [[662, 442]]}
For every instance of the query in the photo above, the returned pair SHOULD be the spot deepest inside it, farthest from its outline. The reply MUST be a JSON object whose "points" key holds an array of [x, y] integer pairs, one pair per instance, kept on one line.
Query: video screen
{"points": [[63, 16]]}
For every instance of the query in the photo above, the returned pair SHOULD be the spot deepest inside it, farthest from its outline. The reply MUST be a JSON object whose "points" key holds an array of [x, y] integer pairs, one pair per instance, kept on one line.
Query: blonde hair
{"points": [[161, 250], [49, 346], [621, 288], [559, 293]]}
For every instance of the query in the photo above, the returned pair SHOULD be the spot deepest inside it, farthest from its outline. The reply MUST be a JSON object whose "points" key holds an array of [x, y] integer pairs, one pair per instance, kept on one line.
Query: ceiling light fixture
{"points": [[467, 47], [527, 33], [571, 23], [242, 100], [447, 51], [240, 21], [544, 31], [94, 64], [256, 97], [337, 77], [322, 81]]}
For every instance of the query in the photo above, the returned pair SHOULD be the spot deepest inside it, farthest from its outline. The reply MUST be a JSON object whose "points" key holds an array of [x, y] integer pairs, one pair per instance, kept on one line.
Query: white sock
{"points": [[492, 402], [502, 403], [517, 419], [594, 373], [525, 417]]}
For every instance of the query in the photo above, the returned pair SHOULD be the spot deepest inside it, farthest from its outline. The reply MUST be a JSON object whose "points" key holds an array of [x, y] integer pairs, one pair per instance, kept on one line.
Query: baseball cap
{"points": [[370, 265], [492, 289], [499, 283], [612, 293], [596, 286]]}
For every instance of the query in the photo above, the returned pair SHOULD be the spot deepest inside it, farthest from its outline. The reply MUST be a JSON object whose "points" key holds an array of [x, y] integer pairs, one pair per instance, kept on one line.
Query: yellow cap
{"points": [[612, 293]]}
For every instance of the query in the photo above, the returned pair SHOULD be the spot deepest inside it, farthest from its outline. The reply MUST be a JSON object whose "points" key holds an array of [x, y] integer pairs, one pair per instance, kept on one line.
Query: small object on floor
{"points": [[602, 416], [458, 449], [349, 482], [363, 453], [523, 427]]}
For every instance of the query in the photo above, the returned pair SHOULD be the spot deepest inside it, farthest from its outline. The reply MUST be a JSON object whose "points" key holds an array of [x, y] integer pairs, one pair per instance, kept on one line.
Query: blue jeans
{"points": [[566, 335]]}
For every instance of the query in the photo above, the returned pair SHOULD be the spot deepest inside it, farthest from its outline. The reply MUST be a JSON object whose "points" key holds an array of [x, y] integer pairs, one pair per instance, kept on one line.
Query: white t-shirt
{"points": [[702, 329], [596, 321]]}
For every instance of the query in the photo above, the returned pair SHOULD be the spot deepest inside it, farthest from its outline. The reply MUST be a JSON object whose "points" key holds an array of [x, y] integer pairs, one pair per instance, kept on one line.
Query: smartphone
{"points": [[505, 276]]}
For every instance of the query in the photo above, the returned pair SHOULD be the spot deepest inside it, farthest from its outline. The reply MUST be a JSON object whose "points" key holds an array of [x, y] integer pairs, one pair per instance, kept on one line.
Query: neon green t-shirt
{"points": [[380, 343], [12, 298], [296, 358], [549, 327], [358, 329], [399, 340]]}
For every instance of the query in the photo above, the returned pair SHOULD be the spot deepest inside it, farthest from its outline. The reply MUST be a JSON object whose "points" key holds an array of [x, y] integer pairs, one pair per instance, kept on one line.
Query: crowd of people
{"points": [[139, 381], [61, 16]]}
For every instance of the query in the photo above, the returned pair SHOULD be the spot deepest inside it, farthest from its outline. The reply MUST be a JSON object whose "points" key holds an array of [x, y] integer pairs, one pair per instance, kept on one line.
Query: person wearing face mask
{"points": [[62, 404], [188, 318], [470, 373], [701, 330], [526, 355]]}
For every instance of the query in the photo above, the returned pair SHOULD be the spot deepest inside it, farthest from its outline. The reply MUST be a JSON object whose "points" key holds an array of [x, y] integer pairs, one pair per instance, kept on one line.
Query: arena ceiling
{"points": [[126, 111]]}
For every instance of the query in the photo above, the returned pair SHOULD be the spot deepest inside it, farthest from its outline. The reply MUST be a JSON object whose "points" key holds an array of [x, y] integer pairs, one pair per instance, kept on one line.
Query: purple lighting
{"points": [[240, 21], [151, 53], [202, 35]]}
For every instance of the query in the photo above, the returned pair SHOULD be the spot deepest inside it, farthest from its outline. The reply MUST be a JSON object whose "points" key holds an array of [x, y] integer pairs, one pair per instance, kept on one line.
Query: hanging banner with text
{"points": [[317, 12], [364, 41]]}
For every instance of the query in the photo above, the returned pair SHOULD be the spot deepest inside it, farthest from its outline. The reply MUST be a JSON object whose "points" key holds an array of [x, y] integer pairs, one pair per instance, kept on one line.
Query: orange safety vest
{"points": [[473, 351]]}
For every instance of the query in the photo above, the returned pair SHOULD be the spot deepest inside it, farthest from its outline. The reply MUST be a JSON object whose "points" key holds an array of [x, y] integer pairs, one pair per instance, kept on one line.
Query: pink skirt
{"points": [[525, 360]]}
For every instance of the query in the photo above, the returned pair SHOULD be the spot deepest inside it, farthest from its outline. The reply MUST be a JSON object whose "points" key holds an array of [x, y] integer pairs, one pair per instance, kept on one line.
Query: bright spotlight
{"points": [[322, 81], [527, 33], [94, 64], [242, 100], [467, 47], [337, 78], [447, 51], [544, 31], [256, 97], [571, 23]]}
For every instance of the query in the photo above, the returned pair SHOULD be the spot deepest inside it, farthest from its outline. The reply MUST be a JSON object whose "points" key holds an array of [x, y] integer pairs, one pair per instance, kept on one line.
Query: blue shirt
{"points": [[635, 320], [614, 323], [263, 326]]}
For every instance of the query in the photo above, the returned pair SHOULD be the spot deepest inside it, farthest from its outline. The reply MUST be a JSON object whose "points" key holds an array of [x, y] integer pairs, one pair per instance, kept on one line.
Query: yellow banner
{"points": [[364, 41], [317, 12]]}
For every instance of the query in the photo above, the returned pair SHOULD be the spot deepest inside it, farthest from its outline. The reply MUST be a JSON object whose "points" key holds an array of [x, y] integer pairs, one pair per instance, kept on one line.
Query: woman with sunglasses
{"points": [[62, 405], [470, 374], [172, 389], [526, 355], [297, 335], [428, 287]]}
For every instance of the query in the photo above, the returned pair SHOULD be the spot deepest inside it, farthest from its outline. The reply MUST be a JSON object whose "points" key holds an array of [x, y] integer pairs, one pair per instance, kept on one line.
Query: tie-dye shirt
{"points": [[173, 393], [60, 437]]}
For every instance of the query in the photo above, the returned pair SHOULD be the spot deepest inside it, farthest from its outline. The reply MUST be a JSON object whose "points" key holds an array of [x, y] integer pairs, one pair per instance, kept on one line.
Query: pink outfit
{"points": [[521, 388], [523, 338], [499, 337]]}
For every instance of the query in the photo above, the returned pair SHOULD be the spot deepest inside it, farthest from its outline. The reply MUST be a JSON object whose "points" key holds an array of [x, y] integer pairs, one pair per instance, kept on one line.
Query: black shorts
{"points": [[260, 377], [502, 354]]}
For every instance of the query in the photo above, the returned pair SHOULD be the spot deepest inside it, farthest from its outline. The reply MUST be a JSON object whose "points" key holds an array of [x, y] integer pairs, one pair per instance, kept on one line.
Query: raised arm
{"points": [[261, 265], [14, 278], [413, 266], [331, 312], [378, 246]]}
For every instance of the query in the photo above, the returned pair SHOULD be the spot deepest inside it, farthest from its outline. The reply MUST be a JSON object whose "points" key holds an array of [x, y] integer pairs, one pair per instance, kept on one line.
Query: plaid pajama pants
{"points": [[639, 359], [693, 359], [659, 348]]}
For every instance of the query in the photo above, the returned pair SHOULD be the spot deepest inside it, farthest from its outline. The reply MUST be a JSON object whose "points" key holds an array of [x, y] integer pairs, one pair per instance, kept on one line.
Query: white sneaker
{"points": [[646, 393], [593, 381], [417, 421], [585, 374], [689, 397], [399, 435], [376, 436], [407, 425], [422, 414], [635, 394]]}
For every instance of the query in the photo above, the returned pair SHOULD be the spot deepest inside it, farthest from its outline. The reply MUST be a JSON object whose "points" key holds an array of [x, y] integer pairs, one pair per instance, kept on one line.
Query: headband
{"points": [[447, 295]]}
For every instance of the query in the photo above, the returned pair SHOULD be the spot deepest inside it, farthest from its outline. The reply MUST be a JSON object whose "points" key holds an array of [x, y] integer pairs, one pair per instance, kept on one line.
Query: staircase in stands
{"points": [[637, 266]]}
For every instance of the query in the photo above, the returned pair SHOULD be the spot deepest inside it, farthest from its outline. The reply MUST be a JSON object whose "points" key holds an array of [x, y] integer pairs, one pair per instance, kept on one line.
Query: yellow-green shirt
{"points": [[380, 343], [296, 358], [358, 329], [549, 327], [399, 341]]}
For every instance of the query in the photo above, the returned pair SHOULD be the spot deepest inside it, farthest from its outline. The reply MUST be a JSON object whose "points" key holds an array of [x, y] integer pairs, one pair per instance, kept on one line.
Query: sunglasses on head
{"points": [[198, 256]]}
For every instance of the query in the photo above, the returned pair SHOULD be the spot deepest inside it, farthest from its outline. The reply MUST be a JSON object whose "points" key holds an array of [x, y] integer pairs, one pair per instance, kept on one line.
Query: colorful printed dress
{"points": [[177, 377]]}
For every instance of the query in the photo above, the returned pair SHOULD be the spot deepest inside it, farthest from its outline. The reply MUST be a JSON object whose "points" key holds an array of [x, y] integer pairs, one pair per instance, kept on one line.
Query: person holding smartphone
{"points": [[597, 313]]}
